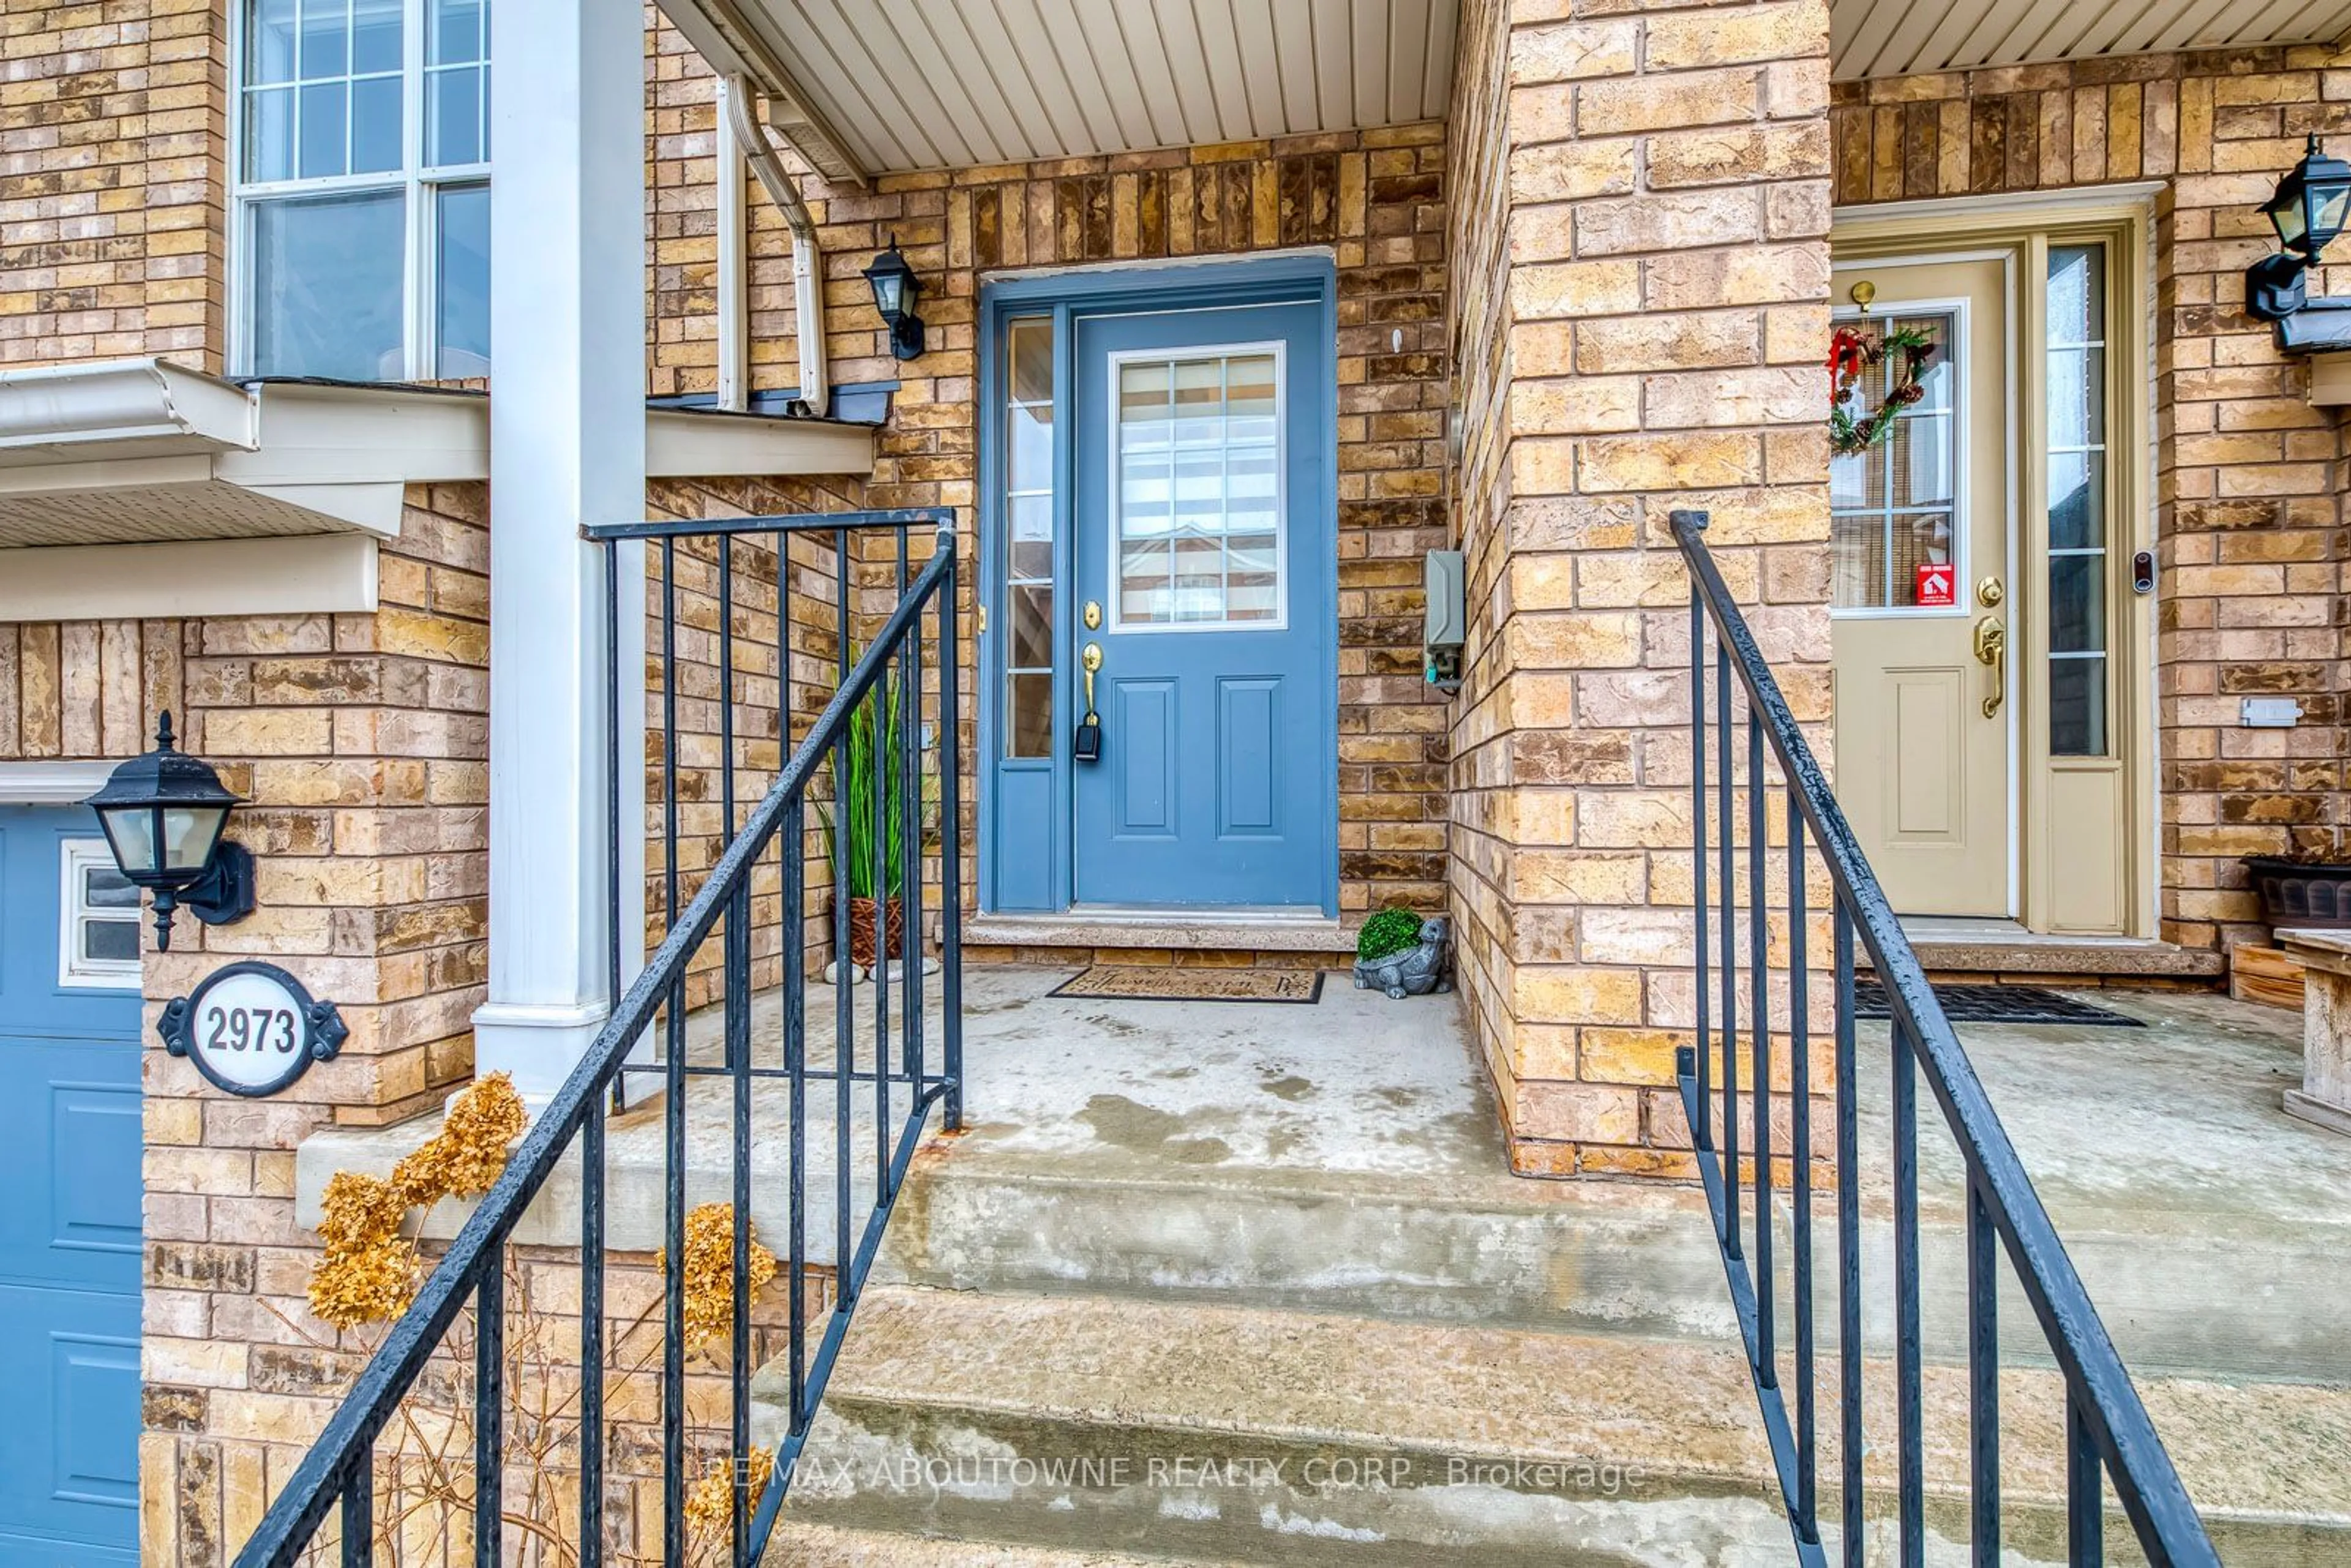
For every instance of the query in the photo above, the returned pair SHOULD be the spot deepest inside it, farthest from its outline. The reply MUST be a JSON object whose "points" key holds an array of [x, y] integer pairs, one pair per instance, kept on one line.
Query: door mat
{"points": [[1997, 1003], [1153, 983]]}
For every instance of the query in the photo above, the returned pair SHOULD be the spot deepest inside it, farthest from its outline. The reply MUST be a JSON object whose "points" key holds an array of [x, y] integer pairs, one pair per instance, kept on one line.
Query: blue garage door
{"points": [[70, 1228]]}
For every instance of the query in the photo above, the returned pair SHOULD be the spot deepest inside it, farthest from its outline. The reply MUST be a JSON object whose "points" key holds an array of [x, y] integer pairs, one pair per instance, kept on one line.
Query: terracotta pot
{"points": [[860, 930]]}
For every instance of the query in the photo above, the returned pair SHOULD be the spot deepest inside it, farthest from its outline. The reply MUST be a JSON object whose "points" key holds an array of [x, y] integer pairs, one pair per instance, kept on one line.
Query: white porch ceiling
{"points": [[1901, 38], [898, 85]]}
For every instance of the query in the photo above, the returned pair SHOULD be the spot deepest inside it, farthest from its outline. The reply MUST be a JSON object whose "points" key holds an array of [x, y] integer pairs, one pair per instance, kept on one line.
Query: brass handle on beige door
{"points": [[1992, 648]]}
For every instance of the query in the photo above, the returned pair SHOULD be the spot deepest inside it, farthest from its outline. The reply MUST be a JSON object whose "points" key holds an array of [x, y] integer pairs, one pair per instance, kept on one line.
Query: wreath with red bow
{"points": [[1851, 351]]}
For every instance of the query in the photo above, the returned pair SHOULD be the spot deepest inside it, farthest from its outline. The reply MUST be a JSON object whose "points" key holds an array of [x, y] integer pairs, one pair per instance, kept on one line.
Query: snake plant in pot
{"points": [[866, 768]]}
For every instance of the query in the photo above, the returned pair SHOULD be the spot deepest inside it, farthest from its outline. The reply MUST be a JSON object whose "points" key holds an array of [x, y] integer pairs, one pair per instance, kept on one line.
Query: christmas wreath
{"points": [[1852, 350]]}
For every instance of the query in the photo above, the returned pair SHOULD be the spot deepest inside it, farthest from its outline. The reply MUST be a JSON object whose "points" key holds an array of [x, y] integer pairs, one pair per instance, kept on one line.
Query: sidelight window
{"points": [[2078, 563], [1028, 536]]}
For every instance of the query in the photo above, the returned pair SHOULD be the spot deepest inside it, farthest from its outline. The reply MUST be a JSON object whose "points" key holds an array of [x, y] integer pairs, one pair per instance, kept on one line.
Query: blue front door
{"points": [[69, 1229], [1204, 567]]}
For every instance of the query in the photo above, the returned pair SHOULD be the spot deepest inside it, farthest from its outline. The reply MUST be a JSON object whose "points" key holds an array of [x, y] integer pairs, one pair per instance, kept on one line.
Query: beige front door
{"points": [[1924, 622]]}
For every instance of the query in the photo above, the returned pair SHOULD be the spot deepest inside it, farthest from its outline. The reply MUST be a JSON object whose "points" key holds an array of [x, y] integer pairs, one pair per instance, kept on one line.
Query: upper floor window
{"points": [[362, 204]]}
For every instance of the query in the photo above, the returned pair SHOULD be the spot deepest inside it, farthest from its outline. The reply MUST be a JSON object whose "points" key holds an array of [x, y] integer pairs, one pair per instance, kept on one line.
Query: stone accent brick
{"points": [[1638, 322], [2251, 594]]}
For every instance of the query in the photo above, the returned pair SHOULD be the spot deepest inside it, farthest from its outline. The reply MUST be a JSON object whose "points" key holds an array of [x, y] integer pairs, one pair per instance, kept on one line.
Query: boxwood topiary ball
{"points": [[1389, 932]]}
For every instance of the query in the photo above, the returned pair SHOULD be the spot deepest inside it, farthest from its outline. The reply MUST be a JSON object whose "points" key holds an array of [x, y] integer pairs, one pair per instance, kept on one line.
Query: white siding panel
{"points": [[1139, 121], [1902, 37], [922, 84], [1293, 43], [1261, 69], [1370, 19], [1334, 65], [1187, 71], [1437, 79]]}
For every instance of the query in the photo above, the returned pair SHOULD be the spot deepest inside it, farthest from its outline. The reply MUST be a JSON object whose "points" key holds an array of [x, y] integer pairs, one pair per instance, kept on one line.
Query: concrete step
{"points": [[800, 1544], [1251, 1435], [1465, 1246], [1248, 1435]]}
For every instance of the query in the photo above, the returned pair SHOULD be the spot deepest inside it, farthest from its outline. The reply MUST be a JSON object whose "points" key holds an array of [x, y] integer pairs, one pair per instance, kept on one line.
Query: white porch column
{"points": [[567, 447]]}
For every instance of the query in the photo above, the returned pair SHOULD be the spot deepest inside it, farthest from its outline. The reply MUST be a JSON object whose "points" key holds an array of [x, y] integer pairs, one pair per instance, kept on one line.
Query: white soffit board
{"points": [[144, 450], [936, 84], [1872, 38], [313, 575]]}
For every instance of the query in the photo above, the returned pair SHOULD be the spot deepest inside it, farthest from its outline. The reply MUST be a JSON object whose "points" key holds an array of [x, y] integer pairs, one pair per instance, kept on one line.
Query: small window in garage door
{"points": [[98, 919]]}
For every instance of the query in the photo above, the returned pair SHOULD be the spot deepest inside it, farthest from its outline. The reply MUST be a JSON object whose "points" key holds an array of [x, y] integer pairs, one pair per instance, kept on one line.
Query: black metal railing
{"points": [[898, 1086], [2107, 1436]]}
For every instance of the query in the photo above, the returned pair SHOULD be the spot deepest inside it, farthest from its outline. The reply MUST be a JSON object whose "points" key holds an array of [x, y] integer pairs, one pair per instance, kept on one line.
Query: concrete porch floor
{"points": [[1209, 1224], [1246, 1229]]}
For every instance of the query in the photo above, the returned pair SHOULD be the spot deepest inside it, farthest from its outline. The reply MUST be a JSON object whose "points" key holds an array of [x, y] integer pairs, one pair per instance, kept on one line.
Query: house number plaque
{"points": [[252, 1028]]}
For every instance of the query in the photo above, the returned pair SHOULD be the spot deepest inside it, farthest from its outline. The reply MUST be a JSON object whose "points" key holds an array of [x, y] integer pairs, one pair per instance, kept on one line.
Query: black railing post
{"points": [[1848, 1175], [2085, 1492], [1800, 1091], [794, 835], [1726, 867], [1759, 1028], [1908, 1334], [1984, 1379], [738, 1023], [951, 831], [490, 1414], [358, 1516], [1701, 1127]]}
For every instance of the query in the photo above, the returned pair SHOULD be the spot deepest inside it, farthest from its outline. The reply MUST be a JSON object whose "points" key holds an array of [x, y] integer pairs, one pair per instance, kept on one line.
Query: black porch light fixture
{"points": [[163, 811], [2307, 210], [896, 289]]}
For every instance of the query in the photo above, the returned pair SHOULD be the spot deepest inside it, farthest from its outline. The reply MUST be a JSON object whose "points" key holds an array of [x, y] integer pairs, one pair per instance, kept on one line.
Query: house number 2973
{"points": [[251, 1029]]}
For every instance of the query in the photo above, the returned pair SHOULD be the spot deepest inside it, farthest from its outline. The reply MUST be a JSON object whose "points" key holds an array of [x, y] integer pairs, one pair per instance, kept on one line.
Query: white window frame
{"points": [[1113, 545], [74, 971], [420, 352], [1963, 550]]}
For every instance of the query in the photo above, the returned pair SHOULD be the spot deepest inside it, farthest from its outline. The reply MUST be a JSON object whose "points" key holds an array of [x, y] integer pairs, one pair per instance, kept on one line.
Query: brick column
{"points": [[361, 741], [1640, 318]]}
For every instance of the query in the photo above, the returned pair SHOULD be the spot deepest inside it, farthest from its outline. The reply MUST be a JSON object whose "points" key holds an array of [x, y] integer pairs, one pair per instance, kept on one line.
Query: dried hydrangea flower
{"points": [[710, 1506], [710, 1273], [470, 1150]]}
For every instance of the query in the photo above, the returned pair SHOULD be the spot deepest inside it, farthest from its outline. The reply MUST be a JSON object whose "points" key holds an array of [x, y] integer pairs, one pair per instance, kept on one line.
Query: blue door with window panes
{"points": [[69, 1233], [1203, 532]]}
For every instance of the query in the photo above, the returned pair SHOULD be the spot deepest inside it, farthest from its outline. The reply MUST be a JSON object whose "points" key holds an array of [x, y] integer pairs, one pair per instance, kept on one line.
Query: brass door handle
{"points": [[1085, 746], [1992, 648]]}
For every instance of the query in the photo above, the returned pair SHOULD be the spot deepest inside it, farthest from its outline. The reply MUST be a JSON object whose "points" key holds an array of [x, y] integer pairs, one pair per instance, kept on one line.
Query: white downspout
{"points": [[734, 240], [738, 103]]}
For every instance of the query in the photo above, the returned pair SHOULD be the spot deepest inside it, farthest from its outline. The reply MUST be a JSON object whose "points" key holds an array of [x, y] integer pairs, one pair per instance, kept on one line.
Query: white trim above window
{"points": [[51, 783], [98, 912], [360, 220]]}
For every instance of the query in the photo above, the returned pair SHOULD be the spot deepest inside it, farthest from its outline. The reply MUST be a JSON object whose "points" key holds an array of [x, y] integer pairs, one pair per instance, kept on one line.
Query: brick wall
{"points": [[362, 740], [112, 126], [1653, 344], [808, 633], [2250, 477]]}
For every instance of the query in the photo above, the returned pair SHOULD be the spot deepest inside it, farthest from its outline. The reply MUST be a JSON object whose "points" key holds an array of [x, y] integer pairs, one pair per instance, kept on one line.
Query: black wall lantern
{"points": [[2307, 211], [163, 811], [896, 289]]}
